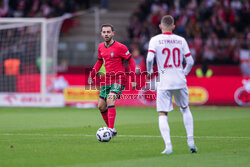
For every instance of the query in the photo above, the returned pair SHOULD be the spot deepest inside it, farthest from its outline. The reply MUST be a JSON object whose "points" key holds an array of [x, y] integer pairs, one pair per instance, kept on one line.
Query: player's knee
{"points": [[102, 108], [183, 107], [163, 113]]}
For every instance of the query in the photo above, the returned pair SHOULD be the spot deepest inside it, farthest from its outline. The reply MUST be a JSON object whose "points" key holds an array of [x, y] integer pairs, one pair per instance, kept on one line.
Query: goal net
{"points": [[28, 61]]}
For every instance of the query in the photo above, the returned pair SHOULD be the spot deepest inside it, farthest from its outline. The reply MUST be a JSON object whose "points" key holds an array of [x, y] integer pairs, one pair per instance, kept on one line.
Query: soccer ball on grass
{"points": [[103, 134]]}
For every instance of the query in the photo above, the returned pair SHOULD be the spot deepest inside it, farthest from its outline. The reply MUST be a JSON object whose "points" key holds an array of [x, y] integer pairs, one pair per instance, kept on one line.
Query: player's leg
{"points": [[112, 112], [164, 105], [115, 92], [189, 126], [181, 98], [102, 104]]}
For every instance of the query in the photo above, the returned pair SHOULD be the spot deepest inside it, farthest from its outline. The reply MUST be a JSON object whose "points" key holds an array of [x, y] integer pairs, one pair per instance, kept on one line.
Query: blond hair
{"points": [[167, 21]]}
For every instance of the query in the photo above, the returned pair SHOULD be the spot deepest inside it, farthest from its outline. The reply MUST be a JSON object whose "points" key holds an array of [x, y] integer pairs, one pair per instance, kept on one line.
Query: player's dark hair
{"points": [[167, 21], [108, 25]]}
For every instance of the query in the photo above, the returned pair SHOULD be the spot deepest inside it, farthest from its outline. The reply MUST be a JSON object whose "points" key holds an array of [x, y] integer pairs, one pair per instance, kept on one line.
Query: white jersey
{"points": [[170, 50]]}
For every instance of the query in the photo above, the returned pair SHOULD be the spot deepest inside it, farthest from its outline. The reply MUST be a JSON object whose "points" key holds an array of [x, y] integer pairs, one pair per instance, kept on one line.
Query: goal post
{"points": [[28, 61]]}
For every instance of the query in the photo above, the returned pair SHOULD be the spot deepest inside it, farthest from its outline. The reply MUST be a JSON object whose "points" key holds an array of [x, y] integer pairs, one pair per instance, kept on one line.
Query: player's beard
{"points": [[107, 40]]}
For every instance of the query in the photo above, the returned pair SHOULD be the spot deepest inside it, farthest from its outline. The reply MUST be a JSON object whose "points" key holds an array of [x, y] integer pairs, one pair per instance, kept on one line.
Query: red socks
{"points": [[105, 117], [111, 116]]}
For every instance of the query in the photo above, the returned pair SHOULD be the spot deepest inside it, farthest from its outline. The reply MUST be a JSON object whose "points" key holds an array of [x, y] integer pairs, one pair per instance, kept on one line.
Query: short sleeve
{"points": [[186, 50], [151, 46], [124, 52]]}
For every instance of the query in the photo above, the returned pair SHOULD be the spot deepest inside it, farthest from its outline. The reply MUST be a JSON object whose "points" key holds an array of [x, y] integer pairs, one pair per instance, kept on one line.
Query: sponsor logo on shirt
{"points": [[127, 53]]}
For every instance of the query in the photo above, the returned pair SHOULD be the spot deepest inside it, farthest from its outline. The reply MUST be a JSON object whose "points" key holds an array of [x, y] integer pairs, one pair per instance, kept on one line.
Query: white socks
{"points": [[188, 123], [165, 130]]}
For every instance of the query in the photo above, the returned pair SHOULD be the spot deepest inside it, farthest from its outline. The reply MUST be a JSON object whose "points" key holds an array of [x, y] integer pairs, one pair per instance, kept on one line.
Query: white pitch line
{"points": [[129, 136]]}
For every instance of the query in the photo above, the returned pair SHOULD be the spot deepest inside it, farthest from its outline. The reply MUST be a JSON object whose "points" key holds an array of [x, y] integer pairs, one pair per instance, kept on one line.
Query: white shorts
{"points": [[164, 99]]}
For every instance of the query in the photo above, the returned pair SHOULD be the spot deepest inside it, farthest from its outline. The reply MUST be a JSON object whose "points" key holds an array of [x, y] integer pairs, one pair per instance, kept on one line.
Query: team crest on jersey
{"points": [[116, 86], [112, 54]]}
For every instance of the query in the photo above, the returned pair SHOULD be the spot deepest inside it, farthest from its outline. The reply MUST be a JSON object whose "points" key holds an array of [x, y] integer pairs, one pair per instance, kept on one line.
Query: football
{"points": [[103, 134]]}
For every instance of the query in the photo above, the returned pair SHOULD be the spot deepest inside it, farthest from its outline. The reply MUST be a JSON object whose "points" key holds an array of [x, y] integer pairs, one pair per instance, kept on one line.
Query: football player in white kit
{"points": [[170, 50]]}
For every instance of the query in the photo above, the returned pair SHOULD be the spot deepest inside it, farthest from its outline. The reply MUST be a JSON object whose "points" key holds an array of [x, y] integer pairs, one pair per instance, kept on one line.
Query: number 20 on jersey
{"points": [[175, 53]]}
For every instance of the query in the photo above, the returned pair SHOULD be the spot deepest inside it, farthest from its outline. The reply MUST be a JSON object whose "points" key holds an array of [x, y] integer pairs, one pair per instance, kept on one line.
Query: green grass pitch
{"points": [[65, 137]]}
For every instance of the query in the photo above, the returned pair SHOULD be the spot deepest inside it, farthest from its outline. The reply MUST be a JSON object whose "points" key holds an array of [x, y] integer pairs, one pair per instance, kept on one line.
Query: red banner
{"points": [[208, 91], [224, 90]]}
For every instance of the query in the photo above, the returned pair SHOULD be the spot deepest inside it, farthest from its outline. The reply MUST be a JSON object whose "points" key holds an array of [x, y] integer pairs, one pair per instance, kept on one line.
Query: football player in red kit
{"points": [[112, 54]]}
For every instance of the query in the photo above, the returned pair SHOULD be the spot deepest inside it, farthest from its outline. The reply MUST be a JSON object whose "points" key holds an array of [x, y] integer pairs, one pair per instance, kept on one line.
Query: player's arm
{"points": [[96, 68], [125, 54], [150, 59], [132, 66], [189, 59], [190, 62]]}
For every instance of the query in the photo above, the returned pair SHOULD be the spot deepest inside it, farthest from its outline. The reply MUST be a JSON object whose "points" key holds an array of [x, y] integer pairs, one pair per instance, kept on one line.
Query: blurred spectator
{"points": [[236, 5], [208, 54], [12, 66], [62, 67], [220, 32], [198, 42], [139, 14], [49, 64], [245, 60], [144, 34], [159, 7], [145, 8], [228, 15], [139, 61], [156, 18], [104, 6], [134, 27], [3, 8]]}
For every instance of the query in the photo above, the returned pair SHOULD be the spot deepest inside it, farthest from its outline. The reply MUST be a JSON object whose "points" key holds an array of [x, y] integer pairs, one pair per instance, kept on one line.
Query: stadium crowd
{"points": [[40, 8], [43, 8], [217, 31]]}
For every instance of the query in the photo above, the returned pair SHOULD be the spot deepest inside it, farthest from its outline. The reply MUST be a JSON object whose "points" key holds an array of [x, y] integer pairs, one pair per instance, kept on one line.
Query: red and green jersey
{"points": [[112, 57]]}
